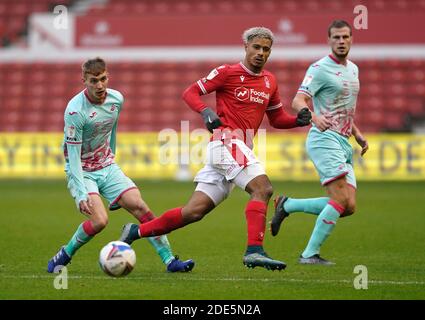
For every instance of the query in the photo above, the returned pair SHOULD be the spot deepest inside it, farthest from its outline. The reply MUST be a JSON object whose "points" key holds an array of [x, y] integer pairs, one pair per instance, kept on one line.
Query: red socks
{"points": [[255, 213], [148, 216], [167, 222], [88, 228]]}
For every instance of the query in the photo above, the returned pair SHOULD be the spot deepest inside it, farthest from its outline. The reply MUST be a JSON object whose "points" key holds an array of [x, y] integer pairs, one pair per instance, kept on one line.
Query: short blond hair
{"points": [[260, 32]]}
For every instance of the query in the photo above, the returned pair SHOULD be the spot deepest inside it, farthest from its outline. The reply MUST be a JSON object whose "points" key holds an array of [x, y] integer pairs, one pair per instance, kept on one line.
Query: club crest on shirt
{"points": [[267, 82]]}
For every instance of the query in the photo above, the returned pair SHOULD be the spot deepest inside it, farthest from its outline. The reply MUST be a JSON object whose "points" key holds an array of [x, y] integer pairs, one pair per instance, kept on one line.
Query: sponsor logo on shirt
{"points": [[243, 94], [70, 132], [258, 96], [212, 74], [242, 78], [72, 113], [113, 107], [307, 80], [93, 114]]}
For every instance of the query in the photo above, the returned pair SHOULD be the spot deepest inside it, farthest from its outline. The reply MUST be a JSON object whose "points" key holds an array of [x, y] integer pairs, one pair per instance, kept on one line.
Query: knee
{"points": [[195, 216], [194, 213], [100, 224], [350, 208], [264, 192]]}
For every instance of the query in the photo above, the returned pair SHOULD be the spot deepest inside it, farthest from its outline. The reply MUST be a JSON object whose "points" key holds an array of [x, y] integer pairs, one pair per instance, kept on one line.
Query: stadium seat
{"points": [[415, 106], [153, 91], [394, 121]]}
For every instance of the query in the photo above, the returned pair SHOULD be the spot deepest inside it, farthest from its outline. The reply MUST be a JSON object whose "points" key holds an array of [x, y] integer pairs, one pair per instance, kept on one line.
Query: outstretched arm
{"points": [[73, 141], [76, 172], [360, 139], [302, 101], [280, 119], [192, 97]]}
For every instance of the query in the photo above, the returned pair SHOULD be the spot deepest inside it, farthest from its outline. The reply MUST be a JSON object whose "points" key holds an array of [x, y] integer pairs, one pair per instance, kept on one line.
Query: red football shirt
{"points": [[242, 97]]}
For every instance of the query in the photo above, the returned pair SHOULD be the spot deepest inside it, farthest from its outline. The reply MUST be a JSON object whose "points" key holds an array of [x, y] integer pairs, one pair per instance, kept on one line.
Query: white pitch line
{"points": [[378, 282]]}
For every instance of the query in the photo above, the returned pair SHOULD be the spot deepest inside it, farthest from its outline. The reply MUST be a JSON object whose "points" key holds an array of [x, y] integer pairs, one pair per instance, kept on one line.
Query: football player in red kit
{"points": [[244, 93]]}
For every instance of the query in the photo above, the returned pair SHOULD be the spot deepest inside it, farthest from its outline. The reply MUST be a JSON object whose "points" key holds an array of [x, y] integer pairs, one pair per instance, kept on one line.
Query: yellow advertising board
{"points": [[168, 155]]}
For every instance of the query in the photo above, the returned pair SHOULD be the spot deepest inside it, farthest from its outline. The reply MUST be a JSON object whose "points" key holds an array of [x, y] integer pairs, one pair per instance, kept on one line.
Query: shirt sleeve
{"points": [[313, 81], [214, 80], [192, 97], [280, 119], [113, 139], [73, 140], [274, 102]]}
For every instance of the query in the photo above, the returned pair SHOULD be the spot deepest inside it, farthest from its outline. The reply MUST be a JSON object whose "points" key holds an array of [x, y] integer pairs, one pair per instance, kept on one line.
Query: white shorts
{"points": [[227, 165]]}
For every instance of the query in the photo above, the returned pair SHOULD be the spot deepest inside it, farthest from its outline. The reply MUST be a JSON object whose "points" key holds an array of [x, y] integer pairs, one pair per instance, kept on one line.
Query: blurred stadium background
{"points": [[156, 48]]}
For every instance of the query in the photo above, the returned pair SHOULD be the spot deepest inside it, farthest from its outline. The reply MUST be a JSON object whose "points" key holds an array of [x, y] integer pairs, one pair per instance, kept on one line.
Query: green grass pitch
{"points": [[387, 235]]}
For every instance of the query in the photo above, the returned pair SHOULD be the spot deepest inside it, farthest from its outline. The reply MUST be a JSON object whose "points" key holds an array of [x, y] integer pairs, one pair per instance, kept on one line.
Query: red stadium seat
{"points": [[416, 76], [368, 75], [153, 91], [396, 104], [394, 121], [33, 104], [371, 90], [416, 106]]}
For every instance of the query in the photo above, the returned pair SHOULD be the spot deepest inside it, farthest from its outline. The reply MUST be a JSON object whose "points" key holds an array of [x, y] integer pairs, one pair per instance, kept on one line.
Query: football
{"points": [[117, 259]]}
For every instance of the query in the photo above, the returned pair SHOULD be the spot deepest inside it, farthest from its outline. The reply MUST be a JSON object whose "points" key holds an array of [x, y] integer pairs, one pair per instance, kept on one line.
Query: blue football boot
{"points": [[60, 260], [176, 265]]}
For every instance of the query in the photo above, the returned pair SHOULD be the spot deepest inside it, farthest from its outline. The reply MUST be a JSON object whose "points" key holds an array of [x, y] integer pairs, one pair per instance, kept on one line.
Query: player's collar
{"points": [[336, 60], [94, 102], [249, 71]]}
